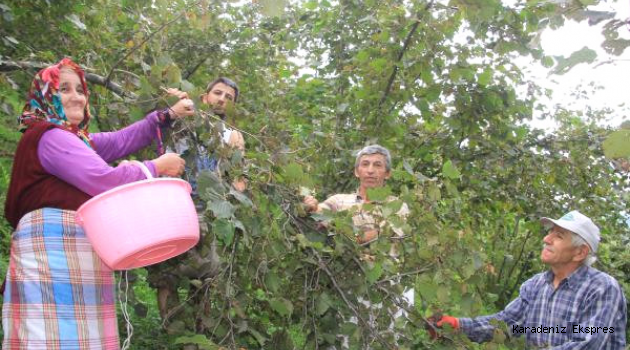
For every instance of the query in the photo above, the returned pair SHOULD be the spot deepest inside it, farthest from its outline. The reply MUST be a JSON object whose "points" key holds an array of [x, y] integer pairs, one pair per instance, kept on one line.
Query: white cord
{"points": [[124, 299]]}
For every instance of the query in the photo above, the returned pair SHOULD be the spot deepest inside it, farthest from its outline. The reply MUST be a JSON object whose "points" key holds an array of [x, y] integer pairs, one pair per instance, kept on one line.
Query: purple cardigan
{"points": [[65, 156]]}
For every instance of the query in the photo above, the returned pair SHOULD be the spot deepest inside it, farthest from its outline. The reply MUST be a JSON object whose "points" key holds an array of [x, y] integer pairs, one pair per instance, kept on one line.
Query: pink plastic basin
{"points": [[141, 223]]}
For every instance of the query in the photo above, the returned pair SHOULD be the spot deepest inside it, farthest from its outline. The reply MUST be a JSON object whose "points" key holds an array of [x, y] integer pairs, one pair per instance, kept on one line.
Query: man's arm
{"points": [[479, 329]]}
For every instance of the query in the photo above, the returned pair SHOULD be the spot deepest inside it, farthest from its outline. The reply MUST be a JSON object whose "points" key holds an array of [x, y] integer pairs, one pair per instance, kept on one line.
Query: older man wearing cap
{"points": [[571, 306]]}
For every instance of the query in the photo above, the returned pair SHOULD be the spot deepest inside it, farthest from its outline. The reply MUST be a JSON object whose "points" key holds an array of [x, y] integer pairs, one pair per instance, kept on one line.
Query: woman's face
{"points": [[219, 96], [73, 98]]}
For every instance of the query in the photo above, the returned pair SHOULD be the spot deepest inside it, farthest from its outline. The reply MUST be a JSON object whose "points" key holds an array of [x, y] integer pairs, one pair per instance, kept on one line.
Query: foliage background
{"points": [[432, 81]]}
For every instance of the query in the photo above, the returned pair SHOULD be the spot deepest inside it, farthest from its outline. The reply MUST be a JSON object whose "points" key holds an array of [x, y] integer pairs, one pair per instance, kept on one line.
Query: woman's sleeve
{"points": [[118, 144], [65, 156]]}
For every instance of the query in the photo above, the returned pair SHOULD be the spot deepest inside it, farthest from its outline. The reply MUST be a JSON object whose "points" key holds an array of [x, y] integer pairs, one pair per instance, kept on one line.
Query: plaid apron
{"points": [[59, 294]]}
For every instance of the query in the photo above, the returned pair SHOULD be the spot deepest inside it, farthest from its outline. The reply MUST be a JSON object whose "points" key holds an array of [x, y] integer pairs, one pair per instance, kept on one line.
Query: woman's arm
{"points": [[65, 156], [118, 144]]}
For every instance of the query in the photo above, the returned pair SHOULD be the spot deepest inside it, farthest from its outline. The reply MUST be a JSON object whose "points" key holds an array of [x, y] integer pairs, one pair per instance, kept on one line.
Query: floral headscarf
{"points": [[44, 101]]}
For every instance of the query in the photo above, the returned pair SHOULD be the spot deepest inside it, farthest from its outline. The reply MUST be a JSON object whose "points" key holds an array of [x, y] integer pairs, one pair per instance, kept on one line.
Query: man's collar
{"points": [[574, 279], [579, 275]]}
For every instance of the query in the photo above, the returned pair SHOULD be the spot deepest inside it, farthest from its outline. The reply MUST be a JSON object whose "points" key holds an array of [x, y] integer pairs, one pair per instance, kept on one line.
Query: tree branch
{"points": [[8, 66], [109, 85], [194, 69], [390, 82]]}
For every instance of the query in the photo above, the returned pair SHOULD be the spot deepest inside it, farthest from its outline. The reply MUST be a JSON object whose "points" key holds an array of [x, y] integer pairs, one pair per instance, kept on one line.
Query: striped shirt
{"points": [[586, 311]]}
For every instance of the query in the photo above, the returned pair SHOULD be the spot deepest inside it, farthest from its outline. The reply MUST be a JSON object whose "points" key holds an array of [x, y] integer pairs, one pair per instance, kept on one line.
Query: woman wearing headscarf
{"points": [[59, 294]]}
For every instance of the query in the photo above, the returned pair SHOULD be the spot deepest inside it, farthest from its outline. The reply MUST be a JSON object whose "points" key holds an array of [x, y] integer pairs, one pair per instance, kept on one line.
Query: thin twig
{"points": [[194, 69], [411, 273], [392, 76], [211, 115], [228, 285]]}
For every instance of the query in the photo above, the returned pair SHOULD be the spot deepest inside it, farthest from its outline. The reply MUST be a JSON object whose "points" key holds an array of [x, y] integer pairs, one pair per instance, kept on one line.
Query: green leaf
{"points": [[379, 194], [186, 86], [375, 273], [392, 207], [273, 8], [293, 173], [282, 306], [323, 303], [199, 340], [241, 197], [222, 209], [311, 5], [197, 283], [450, 171], [173, 75], [224, 230], [210, 186], [617, 144], [584, 55], [379, 64], [272, 281], [485, 77], [547, 61], [427, 289]]}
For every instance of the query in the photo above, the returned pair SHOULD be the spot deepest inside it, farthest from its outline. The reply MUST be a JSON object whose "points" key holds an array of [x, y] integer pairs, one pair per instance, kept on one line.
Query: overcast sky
{"points": [[614, 78]]}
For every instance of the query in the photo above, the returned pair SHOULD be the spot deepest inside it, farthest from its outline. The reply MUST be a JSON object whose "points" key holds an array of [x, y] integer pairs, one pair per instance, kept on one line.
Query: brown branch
{"points": [[109, 85], [194, 69], [390, 82], [8, 66]]}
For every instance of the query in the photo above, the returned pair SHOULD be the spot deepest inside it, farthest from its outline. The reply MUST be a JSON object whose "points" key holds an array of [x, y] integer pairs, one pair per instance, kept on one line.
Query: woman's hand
{"points": [[183, 108], [237, 141], [176, 92], [169, 164]]}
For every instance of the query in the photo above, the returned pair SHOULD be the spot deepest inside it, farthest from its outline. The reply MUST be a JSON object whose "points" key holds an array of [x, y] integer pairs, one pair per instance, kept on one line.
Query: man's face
{"points": [[219, 96], [558, 249], [372, 170]]}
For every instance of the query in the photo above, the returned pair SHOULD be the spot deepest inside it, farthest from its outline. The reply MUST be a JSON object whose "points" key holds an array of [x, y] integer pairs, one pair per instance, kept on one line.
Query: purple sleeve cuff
{"points": [[151, 166], [164, 117]]}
